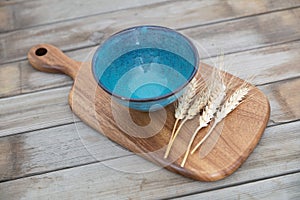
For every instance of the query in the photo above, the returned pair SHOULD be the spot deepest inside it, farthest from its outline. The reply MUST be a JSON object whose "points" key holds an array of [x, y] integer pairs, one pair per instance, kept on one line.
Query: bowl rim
{"points": [[165, 96]]}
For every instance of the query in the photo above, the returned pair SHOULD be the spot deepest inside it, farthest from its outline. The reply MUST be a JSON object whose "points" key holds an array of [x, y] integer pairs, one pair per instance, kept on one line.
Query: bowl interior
{"points": [[144, 63]]}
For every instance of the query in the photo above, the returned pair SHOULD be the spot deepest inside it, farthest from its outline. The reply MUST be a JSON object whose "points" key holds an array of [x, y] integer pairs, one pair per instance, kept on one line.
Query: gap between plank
{"points": [[184, 28], [281, 123], [236, 184], [86, 16], [12, 2], [204, 58], [228, 53], [63, 168], [160, 3], [208, 190], [278, 81], [40, 129], [131, 153], [239, 18]]}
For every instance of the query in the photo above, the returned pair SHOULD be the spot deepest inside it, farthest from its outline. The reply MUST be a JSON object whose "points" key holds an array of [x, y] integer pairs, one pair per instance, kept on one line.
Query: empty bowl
{"points": [[145, 67]]}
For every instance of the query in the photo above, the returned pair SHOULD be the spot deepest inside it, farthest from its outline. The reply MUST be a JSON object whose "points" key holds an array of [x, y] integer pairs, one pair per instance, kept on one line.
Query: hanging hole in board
{"points": [[41, 51]]}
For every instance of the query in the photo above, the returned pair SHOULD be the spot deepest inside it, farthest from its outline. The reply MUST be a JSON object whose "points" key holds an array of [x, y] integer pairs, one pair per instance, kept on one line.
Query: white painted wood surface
{"points": [[60, 147], [34, 13], [44, 154], [265, 64], [256, 31], [50, 108], [102, 181], [279, 188]]}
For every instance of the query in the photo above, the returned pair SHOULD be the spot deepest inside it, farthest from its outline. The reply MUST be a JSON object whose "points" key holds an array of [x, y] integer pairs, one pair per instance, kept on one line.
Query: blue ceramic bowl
{"points": [[145, 67]]}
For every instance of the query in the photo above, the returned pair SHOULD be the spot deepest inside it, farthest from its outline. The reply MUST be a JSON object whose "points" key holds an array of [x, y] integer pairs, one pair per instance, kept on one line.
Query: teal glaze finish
{"points": [[145, 68]]}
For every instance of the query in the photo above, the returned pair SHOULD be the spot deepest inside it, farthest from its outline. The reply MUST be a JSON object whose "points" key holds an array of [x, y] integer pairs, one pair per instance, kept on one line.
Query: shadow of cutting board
{"points": [[147, 134]]}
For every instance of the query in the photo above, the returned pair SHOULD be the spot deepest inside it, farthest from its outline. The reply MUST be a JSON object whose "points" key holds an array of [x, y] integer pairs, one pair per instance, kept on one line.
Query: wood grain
{"points": [[32, 13], [284, 187], [10, 2], [52, 60], [20, 77], [52, 149], [281, 101], [60, 147], [100, 181], [96, 108], [239, 35], [33, 111], [265, 64], [247, 33], [45, 155], [54, 109]]}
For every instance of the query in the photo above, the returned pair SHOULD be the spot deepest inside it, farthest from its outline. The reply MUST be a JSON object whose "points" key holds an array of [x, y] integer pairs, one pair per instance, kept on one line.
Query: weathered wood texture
{"points": [[11, 2], [61, 113], [266, 64], [20, 77], [270, 158], [50, 108], [24, 14], [59, 147], [279, 188], [53, 149], [232, 36], [240, 133], [34, 115], [284, 108], [37, 152]]}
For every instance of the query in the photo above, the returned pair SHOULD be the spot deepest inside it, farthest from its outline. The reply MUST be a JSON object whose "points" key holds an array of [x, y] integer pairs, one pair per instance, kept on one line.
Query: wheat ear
{"points": [[196, 107], [185, 100], [215, 99], [229, 105], [183, 104]]}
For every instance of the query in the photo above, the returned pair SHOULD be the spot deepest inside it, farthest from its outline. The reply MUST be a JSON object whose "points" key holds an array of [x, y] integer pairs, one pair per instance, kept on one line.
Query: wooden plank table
{"points": [[42, 156]]}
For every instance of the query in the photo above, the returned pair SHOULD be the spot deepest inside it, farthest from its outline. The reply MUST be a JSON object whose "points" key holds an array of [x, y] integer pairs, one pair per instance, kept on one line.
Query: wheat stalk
{"points": [[195, 109], [183, 104], [216, 97], [229, 105]]}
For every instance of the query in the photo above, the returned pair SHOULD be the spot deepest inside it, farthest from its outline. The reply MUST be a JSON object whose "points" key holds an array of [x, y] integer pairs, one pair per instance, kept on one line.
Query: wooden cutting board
{"points": [[148, 134]]}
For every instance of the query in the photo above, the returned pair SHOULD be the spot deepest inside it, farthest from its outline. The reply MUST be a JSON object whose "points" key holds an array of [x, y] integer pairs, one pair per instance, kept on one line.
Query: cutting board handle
{"points": [[48, 58]]}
